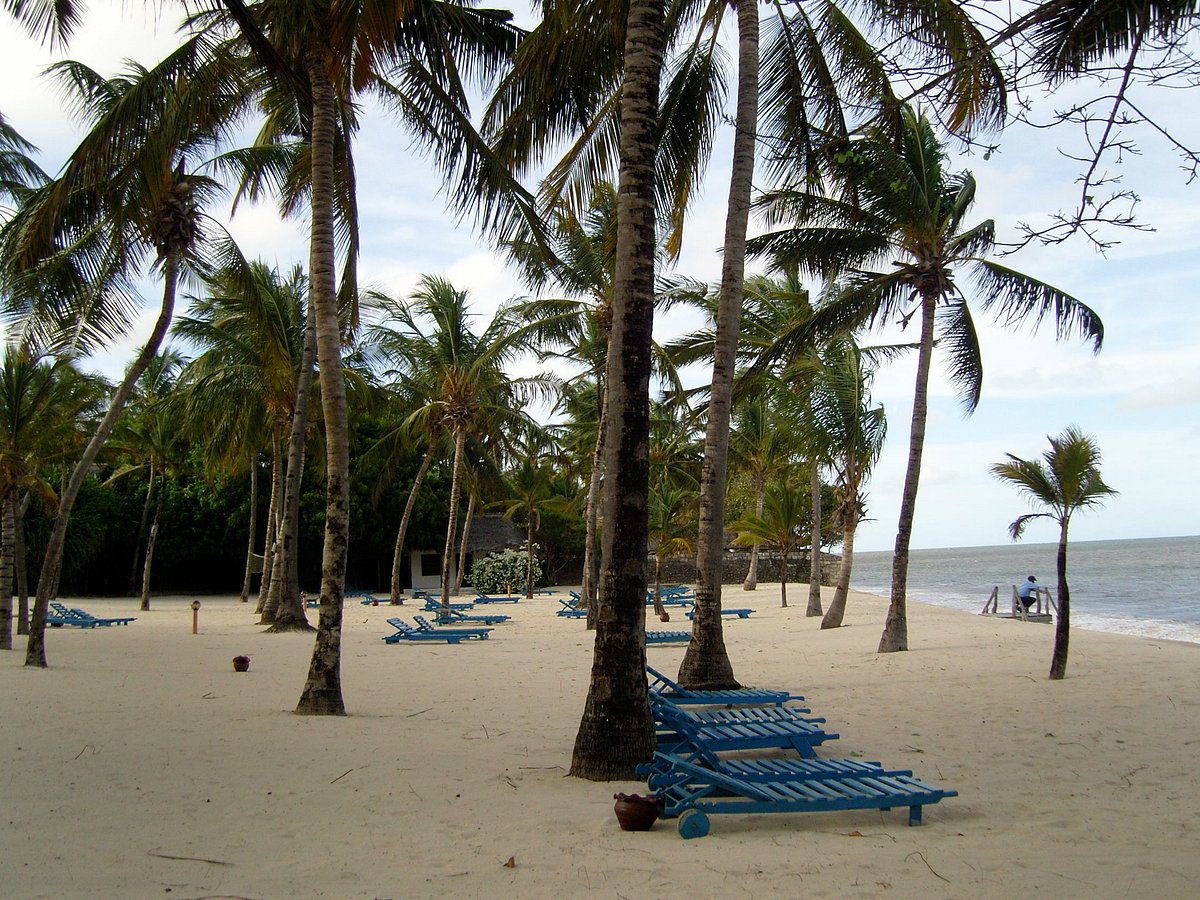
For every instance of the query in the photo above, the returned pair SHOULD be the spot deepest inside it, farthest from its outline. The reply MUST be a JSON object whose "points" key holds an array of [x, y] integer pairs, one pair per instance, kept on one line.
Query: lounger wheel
{"points": [[693, 824]]}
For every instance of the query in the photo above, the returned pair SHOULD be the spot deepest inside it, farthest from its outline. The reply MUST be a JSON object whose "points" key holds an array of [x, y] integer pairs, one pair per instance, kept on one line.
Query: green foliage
{"points": [[503, 571]]}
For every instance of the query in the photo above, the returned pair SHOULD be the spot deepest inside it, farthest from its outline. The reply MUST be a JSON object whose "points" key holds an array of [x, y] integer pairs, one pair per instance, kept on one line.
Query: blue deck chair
{"points": [[433, 604], [742, 613], [453, 617], [59, 616], [570, 610], [668, 637], [693, 793], [678, 728], [480, 633], [667, 689], [76, 616], [407, 633], [496, 598]]}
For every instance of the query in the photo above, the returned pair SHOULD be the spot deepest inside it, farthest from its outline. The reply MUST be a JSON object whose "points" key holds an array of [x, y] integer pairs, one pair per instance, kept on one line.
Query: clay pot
{"points": [[241, 664], [664, 617], [635, 812]]}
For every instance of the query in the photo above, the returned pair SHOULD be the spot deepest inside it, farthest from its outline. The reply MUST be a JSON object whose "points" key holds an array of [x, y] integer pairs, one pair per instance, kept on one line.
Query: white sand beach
{"points": [[141, 765]]}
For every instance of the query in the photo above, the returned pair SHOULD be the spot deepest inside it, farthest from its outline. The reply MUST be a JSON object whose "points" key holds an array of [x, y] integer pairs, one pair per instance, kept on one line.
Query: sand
{"points": [[141, 765]]}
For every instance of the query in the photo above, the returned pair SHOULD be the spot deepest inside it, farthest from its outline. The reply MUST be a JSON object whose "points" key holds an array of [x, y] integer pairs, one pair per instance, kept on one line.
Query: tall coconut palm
{"points": [[910, 211], [616, 731], [1065, 480], [124, 198]]}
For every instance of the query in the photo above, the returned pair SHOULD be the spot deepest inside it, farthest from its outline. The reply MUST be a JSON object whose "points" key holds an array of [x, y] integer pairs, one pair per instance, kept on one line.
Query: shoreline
{"points": [[141, 764]]}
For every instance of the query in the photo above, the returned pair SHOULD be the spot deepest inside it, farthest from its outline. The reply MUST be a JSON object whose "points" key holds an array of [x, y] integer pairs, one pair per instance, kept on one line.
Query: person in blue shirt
{"points": [[1027, 592]]}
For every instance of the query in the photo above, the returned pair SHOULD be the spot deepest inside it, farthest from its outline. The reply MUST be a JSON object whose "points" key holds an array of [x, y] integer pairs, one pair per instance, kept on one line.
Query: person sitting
{"points": [[1027, 592]]}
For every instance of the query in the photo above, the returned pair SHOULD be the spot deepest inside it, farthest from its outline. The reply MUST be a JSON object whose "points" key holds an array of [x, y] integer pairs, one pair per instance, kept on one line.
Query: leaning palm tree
{"points": [[124, 199], [903, 206], [1065, 480]]}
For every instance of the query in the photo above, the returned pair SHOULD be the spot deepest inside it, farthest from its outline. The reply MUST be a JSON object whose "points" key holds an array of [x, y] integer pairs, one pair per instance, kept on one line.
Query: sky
{"points": [[1139, 397]]}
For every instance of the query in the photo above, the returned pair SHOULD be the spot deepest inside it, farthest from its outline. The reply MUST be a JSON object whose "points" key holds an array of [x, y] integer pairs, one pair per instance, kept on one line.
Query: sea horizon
{"points": [[1143, 586]]}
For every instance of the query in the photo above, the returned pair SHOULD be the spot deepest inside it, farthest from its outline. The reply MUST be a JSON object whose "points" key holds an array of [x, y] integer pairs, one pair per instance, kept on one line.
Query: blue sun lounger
{"points": [[496, 598], [664, 687], [570, 610], [406, 633], [480, 633], [693, 793], [454, 617], [741, 613], [84, 619], [668, 637], [678, 728], [434, 604]]}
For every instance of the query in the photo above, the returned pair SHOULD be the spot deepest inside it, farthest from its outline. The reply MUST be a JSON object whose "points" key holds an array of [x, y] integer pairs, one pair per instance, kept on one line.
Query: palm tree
{"points": [[760, 445], [671, 518], [43, 407], [151, 433], [840, 412], [250, 327], [785, 510], [908, 208], [1065, 481], [125, 194], [530, 490], [18, 172], [616, 731], [460, 374]]}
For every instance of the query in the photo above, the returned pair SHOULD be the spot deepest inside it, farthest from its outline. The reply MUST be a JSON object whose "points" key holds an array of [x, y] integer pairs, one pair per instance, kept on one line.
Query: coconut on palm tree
{"points": [[903, 207], [1065, 481]]}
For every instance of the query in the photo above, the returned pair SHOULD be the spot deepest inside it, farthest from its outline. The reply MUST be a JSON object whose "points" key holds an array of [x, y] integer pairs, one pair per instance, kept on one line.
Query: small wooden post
{"points": [[195, 616]]}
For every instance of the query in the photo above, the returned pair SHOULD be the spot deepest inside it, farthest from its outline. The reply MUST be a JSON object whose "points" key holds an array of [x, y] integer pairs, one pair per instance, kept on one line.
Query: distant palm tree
{"points": [[672, 520], [44, 411], [460, 373], [903, 207], [1066, 480], [785, 513]]}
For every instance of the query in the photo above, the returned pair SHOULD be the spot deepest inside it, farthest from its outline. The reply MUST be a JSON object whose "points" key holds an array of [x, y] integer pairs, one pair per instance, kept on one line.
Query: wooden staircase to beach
{"points": [[1039, 612]]}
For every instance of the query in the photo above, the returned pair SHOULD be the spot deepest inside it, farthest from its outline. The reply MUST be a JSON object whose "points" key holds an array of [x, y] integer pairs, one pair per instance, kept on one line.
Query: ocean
{"points": [[1148, 587]]}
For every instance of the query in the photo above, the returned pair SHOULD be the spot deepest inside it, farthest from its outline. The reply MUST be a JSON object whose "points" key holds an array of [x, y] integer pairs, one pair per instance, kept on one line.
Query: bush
{"points": [[497, 572]]}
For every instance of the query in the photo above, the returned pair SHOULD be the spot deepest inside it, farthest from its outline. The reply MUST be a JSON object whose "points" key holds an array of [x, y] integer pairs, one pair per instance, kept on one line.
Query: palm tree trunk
{"points": [[460, 443], [288, 608], [464, 544], [245, 597], [895, 629], [837, 608], [616, 731], [8, 531], [814, 559], [397, 555], [35, 652], [783, 578], [134, 566], [22, 575], [150, 541], [591, 559], [529, 559], [272, 533], [1062, 625], [323, 692], [760, 492], [706, 664], [659, 609]]}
